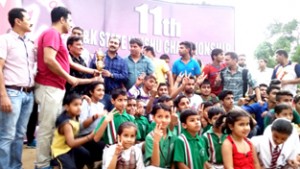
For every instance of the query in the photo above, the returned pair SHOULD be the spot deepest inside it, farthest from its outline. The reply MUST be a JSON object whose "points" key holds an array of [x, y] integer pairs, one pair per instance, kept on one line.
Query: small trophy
{"points": [[100, 60]]}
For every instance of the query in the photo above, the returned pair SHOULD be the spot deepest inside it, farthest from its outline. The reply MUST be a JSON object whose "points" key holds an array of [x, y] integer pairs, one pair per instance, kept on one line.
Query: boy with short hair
{"points": [[260, 111], [142, 88], [205, 92], [283, 96], [181, 103], [227, 100], [189, 147], [284, 110], [214, 137], [107, 128], [273, 149]]}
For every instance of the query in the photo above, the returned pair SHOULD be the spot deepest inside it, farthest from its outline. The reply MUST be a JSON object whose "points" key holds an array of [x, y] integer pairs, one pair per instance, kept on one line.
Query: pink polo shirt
{"points": [[19, 59], [52, 38]]}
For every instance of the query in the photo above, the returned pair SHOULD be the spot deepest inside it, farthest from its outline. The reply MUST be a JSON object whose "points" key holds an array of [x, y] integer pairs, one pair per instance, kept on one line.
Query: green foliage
{"points": [[296, 55], [290, 27], [274, 29], [265, 51], [283, 42], [280, 36]]}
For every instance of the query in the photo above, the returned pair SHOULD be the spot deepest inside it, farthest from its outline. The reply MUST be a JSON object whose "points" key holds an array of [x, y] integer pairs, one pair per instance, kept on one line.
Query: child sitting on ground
{"points": [[214, 137], [160, 142], [189, 147], [106, 129], [272, 150], [124, 154], [66, 148], [237, 151]]}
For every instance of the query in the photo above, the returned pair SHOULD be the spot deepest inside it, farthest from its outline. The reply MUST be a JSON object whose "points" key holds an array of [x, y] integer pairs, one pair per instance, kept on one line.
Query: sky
{"points": [[252, 18]]}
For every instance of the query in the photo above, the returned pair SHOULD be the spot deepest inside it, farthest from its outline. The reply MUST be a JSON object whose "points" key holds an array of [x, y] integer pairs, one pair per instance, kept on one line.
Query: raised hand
{"points": [[158, 133], [200, 110], [185, 80], [87, 98], [140, 79], [174, 116], [201, 78], [110, 116], [119, 148], [179, 77]]}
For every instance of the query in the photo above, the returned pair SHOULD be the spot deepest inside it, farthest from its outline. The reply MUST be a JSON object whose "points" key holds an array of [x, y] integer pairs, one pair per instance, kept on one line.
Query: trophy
{"points": [[100, 60]]}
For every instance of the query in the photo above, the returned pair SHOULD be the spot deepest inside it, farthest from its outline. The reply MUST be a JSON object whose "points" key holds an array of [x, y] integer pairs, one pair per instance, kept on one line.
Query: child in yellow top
{"points": [[66, 149]]}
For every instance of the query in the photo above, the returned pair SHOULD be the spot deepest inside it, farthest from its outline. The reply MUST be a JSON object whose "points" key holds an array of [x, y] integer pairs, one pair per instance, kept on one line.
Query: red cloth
{"points": [[240, 160], [212, 72], [52, 38]]}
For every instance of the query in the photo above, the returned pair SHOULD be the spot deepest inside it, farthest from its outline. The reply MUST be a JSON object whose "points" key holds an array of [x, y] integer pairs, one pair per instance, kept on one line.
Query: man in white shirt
{"points": [[263, 73], [189, 91], [287, 72]]}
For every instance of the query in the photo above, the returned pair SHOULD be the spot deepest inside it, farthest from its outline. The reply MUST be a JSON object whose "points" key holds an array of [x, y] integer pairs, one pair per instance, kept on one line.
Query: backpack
{"points": [[244, 77]]}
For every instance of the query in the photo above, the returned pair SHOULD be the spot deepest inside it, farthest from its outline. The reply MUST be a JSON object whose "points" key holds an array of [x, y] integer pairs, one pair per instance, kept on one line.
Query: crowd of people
{"points": [[138, 112]]}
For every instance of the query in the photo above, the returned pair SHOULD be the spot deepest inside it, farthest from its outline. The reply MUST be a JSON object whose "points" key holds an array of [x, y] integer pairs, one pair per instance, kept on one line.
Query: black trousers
{"points": [[95, 149], [74, 159], [31, 126]]}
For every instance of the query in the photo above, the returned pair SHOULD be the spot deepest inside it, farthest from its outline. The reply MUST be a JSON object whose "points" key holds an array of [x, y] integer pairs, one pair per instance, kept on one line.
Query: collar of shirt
{"points": [[78, 60], [289, 63], [221, 138], [280, 146], [17, 36], [116, 57], [123, 114], [190, 137], [210, 131], [239, 69], [169, 133], [188, 61], [141, 58]]}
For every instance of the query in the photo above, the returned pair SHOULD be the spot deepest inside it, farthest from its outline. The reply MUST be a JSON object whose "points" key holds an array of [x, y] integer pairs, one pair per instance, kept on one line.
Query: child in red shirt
{"points": [[237, 151]]}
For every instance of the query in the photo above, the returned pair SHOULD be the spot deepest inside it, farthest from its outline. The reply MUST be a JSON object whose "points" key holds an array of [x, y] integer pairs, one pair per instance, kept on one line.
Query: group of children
{"points": [[177, 136]]}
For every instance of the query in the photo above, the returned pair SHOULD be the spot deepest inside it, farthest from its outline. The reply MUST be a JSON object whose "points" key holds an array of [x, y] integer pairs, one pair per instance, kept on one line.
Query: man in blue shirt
{"points": [[137, 63], [186, 64], [260, 111], [115, 72]]}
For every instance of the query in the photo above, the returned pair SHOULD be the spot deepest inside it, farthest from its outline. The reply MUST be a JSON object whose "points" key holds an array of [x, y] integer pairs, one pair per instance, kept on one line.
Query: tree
{"points": [[296, 55], [280, 36], [265, 51]]}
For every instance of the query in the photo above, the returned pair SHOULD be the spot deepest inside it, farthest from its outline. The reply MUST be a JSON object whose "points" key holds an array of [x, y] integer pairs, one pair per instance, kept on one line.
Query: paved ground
{"points": [[28, 158]]}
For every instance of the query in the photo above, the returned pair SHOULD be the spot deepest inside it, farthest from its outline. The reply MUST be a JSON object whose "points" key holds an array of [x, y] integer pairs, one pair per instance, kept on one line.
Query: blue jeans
{"points": [[13, 128]]}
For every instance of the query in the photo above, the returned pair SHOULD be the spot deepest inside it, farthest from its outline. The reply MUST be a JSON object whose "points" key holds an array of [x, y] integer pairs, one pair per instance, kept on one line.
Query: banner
{"points": [[162, 25]]}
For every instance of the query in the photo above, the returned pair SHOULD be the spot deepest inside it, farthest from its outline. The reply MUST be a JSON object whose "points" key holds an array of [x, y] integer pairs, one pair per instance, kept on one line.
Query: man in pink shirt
{"points": [[54, 62], [17, 59]]}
